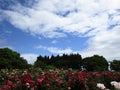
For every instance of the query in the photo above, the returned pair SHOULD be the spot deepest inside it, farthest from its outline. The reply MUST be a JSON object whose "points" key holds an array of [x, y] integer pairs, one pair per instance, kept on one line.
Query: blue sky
{"points": [[46, 27]]}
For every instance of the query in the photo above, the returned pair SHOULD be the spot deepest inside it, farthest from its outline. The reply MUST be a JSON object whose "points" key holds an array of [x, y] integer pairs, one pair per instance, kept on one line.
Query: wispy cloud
{"points": [[54, 41], [30, 57], [105, 43], [46, 17], [4, 44], [55, 50], [99, 20], [2, 41]]}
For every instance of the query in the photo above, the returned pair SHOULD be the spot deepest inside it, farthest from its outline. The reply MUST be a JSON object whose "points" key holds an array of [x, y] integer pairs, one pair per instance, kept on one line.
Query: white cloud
{"points": [[46, 16], [97, 19], [55, 50], [105, 43], [59, 51], [54, 41], [30, 57]]}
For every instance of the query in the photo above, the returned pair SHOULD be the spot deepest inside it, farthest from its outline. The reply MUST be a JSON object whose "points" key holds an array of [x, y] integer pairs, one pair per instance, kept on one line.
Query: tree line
{"points": [[74, 61], [11, 59]]}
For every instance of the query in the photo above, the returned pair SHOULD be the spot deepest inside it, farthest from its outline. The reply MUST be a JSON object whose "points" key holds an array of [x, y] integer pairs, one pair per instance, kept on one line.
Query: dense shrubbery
{"points": [[57, 79]]}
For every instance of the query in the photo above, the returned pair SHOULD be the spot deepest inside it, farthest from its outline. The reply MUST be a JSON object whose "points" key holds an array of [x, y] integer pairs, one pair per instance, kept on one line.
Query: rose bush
{"points": [[58, 79]]}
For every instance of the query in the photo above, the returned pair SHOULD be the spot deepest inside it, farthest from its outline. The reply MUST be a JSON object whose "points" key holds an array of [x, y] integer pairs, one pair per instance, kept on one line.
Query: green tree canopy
{"points": [[64, 61], [115, 65], [95, 63], [11, 59]]}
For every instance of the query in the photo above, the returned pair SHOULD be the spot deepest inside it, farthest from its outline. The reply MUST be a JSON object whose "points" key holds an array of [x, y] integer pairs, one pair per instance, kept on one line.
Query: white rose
{"points": [[100, 85]]}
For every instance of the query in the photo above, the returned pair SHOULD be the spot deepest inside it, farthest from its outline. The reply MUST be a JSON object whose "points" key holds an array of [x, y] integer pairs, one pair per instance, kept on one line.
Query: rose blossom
{"points": [[116, 84], [100, 85]]}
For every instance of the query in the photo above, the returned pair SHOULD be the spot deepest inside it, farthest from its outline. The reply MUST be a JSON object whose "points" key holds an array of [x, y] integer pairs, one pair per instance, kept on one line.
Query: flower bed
{"points": [[58, 79]]}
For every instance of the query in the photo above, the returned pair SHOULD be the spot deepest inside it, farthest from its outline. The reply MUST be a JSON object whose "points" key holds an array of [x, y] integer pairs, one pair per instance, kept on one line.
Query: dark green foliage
{"points": [[115, 65], [11, 59], [65, 61], [40, 64], [95, 63]]}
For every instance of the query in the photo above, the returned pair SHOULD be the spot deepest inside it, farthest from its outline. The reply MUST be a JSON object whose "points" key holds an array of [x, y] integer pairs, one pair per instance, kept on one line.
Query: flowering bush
{"points": [[58, 79]]}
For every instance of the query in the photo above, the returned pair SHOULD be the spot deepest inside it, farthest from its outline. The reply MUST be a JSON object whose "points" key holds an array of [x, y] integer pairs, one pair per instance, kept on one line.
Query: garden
{"points": [[61, 72], [58, 79]]}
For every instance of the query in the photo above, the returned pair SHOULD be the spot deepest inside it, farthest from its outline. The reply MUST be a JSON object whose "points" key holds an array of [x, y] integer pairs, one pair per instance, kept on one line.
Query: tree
{"points": [[64, 61], [68, 61], [115, 65], [41, 62], [95, 63], [11, 59]]}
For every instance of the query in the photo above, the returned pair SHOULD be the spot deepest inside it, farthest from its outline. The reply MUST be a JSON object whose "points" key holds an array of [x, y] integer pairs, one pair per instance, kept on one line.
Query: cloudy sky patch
{"points": [[64, 26]]}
